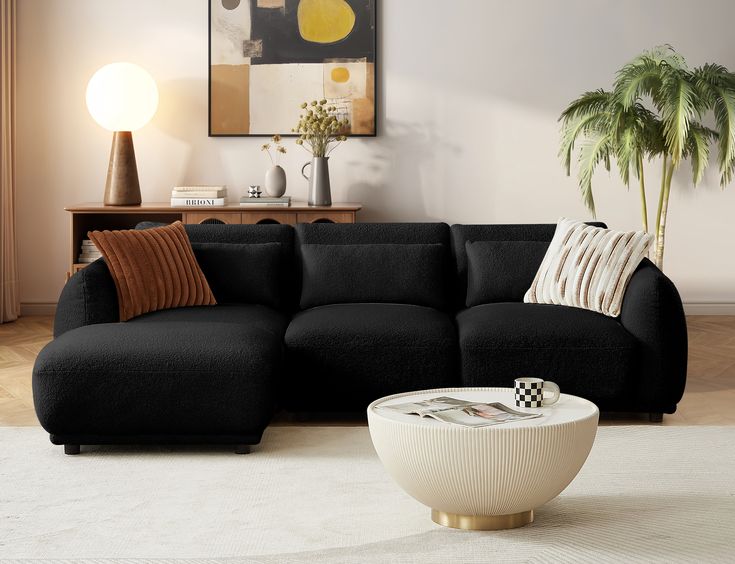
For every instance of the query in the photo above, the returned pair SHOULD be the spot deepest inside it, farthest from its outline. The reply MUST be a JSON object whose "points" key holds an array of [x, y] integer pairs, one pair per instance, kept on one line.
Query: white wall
{"points": [[469, 94]]}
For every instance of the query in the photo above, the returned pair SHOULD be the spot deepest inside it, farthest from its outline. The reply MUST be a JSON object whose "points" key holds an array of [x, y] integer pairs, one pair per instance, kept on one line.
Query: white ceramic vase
{"points": [[275, 182]]}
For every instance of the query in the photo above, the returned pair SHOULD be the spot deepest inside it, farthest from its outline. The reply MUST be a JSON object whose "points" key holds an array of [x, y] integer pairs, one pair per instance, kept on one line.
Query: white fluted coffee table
{"points": [[489, 477]]}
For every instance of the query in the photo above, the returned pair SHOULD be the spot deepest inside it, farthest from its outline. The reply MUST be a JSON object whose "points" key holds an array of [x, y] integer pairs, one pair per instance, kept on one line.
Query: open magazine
{"points": [[462, 412]]}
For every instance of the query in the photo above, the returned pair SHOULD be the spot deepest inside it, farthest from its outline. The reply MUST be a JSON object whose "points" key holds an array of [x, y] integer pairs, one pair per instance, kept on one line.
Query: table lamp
{"points": [[122, 97]]}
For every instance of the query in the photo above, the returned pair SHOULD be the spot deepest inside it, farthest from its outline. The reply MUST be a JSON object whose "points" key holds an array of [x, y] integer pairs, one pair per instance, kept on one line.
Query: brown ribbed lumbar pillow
{"points": [[153, 269]]}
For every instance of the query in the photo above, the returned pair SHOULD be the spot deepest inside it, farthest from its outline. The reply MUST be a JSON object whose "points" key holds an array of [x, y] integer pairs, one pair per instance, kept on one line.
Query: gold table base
{"points": [[481, 522]]}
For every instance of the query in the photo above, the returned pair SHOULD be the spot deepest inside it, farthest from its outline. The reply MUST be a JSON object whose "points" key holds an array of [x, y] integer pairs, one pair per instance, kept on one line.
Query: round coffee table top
{"points": [[568, 409]]}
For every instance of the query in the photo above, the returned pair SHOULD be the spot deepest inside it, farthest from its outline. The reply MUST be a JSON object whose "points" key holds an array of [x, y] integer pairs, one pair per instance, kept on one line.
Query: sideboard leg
{"points": [[242, 449], [656, 417], [72, 449]]}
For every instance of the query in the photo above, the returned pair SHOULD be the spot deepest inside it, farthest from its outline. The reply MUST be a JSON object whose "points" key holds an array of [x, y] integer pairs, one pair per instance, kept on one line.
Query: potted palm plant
{"points": [[654, 111]]}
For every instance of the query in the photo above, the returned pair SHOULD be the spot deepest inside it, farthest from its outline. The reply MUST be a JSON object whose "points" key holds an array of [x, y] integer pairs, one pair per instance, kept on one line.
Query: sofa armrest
{"points": [[88, 297], [653, 313]]}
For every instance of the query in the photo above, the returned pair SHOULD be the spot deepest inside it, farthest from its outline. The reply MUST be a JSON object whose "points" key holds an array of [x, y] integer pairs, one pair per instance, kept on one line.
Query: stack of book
{"points": [[198, 196], [283, 201], [89, 252]]}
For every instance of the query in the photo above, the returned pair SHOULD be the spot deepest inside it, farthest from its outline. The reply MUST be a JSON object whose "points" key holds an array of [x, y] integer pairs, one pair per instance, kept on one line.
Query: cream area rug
{"points": [[320, 494]]}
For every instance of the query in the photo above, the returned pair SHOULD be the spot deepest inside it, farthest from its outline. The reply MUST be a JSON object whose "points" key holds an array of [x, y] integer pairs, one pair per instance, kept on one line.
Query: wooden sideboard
{"points": [[88, 217]]}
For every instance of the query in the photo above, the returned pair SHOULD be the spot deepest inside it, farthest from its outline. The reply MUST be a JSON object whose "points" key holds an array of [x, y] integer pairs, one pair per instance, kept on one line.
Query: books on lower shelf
{"points": [[88, 252], [461, 412], [283, 201], [197, 202]]}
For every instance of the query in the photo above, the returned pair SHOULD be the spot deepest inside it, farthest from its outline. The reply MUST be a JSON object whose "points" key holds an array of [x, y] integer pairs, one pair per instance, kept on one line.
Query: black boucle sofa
{"points": [[344, 314]]}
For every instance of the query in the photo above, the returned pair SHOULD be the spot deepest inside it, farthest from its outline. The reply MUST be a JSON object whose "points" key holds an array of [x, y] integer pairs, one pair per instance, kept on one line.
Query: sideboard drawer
{"points": [[252, 217], [326, 217], [215, 217]]}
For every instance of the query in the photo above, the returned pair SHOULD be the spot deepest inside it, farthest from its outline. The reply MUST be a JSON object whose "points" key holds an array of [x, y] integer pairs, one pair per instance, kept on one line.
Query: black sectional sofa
{"points": [[339, 316]]}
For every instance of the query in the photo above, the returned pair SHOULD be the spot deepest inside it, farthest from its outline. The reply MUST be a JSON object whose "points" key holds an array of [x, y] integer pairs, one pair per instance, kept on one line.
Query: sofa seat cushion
{"points": [[586, 353], [343, 356], [253, 316], [189, 371]]}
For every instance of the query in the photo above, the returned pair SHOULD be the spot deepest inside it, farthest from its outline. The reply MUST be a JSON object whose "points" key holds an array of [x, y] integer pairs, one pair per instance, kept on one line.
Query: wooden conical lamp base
{"points": [[122, 187]]}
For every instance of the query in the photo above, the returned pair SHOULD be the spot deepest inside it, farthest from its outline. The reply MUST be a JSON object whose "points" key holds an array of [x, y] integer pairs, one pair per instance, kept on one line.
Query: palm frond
{"points": [[595, 101], [573, 130], [641, 77], [678, 107], [593, 151], [717, 86], [627, 145], [665, 54], [709, 78], [633, 138], [653, 134], [697, 149]]}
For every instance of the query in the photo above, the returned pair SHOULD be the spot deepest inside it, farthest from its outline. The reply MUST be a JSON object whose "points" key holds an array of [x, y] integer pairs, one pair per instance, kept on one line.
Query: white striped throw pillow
{"points": [[588, 267]]}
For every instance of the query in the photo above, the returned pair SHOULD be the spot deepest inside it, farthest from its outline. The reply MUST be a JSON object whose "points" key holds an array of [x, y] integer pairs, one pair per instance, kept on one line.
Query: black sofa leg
{"points": [[242, 449], [656, 417], [72, 449]]}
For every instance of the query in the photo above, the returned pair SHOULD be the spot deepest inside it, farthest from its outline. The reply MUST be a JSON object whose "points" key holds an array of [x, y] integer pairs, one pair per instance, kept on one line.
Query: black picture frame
{"points": [[376, 63]]}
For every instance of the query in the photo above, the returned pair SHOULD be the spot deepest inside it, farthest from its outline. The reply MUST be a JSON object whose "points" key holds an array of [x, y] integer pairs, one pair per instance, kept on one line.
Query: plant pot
{"points": [[320, 193], [275, 182]]}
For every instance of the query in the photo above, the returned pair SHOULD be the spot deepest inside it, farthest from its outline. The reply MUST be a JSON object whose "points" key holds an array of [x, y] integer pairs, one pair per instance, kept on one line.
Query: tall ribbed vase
{"points": [[320, 193]]}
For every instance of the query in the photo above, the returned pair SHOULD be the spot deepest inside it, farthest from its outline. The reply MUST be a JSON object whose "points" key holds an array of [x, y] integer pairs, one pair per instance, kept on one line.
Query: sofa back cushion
{"points": [[378, 273], [282, 290], [374, 262], [501, 271], [461, 234], [242, 273], [153, 269]]}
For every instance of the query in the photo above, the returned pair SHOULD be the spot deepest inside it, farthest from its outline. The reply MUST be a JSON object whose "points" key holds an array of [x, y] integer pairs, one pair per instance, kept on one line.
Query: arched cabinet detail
{"points": [[325, 217], [210, 218], [266, 216]]}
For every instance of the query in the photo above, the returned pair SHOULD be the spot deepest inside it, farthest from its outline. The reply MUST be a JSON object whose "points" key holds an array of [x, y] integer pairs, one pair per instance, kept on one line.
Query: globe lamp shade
{"points": [[122, 97]]}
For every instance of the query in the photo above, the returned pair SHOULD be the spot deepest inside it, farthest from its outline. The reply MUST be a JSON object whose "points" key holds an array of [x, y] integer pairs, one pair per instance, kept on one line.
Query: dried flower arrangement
{"points": [[320, 131], [278, 149]]}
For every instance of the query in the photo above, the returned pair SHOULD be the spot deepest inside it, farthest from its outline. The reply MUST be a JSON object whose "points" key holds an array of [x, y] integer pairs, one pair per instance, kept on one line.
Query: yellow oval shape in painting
{"points": [[340, 74], [325, 21]]}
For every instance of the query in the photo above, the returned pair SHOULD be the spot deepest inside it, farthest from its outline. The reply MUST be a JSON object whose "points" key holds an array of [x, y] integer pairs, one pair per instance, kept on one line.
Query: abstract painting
{"points": [[266, 57]]}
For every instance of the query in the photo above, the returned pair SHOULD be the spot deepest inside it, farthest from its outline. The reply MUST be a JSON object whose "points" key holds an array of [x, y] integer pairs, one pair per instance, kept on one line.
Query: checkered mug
{"points": [[529, 392]]}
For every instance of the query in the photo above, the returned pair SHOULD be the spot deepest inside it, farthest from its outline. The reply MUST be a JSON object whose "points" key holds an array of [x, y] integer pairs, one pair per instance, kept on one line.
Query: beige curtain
{"points": [[9, 290]]}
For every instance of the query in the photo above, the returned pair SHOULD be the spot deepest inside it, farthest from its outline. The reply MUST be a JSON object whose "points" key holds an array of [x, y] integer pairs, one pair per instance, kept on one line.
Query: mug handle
{"points": [[302, 170], [555, 392]]}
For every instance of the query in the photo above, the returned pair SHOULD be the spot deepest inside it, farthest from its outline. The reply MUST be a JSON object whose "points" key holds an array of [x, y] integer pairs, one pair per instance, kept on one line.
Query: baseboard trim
{"points": [[694, 308], [37, 308]]}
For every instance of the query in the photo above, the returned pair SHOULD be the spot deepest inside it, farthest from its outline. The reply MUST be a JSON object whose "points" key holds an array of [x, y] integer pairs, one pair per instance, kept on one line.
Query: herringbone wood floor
{"points": [[709, 397], [20, 342]]}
